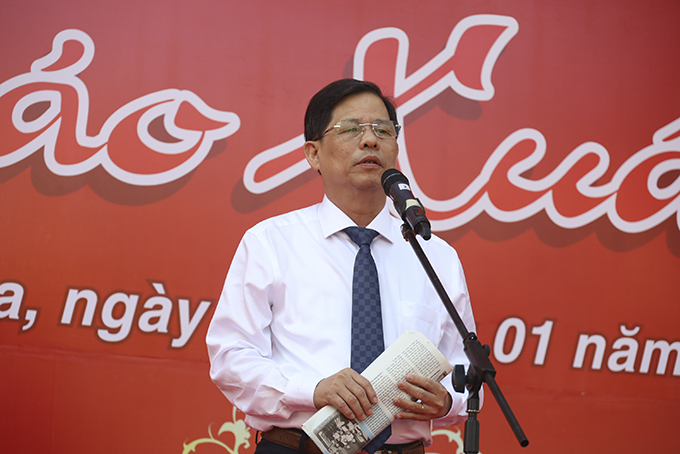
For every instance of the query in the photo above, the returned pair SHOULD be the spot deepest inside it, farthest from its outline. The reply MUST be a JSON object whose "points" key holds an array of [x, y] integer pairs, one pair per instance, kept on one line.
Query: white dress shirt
{"points": [[283, 320]]}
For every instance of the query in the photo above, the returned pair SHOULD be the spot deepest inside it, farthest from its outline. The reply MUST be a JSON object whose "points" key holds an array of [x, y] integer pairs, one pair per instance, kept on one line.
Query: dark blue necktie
{"points": [[367, 333]]}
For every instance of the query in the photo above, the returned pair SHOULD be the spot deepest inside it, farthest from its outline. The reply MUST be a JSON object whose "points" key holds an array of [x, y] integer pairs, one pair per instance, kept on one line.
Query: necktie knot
{"points": [[361, 235]]}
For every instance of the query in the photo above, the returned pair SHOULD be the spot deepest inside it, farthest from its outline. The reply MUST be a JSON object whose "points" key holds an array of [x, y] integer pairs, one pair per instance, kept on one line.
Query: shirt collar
{"points": [[333, 220]]}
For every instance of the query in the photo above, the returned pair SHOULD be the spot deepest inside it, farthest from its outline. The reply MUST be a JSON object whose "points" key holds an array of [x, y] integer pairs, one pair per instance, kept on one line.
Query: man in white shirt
{"points": [[279, 341]]}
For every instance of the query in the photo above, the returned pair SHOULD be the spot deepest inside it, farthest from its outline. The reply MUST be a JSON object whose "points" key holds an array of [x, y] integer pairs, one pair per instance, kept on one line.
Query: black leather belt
{"points": [[291, 438]]}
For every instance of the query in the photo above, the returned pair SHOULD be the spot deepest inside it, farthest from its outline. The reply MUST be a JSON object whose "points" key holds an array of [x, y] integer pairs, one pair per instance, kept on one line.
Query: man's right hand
{"points": [[347, 391]]}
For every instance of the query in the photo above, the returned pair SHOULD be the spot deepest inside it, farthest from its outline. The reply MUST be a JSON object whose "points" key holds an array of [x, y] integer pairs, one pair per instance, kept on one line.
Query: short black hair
{"points": [[320, 108]]}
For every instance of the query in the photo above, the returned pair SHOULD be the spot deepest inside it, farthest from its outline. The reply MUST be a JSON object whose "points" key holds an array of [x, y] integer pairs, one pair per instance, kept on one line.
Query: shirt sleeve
{"points": [[239, 340]]}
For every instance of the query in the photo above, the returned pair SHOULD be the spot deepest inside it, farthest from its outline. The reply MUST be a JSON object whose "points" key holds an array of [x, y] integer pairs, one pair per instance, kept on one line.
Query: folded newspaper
{"points": [[411, 353]]}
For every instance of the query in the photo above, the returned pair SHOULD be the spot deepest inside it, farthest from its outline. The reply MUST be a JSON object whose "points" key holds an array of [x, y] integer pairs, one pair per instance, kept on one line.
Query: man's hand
{"points": [[347, 391], [433, 400]]}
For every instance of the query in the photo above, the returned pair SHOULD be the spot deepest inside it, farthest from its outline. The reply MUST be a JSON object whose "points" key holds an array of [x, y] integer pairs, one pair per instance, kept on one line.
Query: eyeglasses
{"points": [[350, 129]]}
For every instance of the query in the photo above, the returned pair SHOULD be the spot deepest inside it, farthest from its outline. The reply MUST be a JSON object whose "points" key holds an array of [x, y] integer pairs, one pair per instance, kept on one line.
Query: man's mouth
{"points": [[370, 160]]}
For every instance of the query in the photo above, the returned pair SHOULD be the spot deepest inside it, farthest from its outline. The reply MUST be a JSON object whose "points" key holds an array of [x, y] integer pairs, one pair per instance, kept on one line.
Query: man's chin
{"points": [[369, 185]]}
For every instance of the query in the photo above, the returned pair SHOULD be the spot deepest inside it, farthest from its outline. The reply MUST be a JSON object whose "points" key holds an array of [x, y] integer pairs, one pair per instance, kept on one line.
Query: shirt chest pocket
{"points": [[420, 318]]}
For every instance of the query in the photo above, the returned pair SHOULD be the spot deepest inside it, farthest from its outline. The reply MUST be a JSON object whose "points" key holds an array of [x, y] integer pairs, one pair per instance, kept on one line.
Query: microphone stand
{"points": [[480, 371]]}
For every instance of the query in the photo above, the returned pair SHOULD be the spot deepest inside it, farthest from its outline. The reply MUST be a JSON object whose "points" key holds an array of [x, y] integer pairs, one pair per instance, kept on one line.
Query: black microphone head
{"points": [[391, 176]]}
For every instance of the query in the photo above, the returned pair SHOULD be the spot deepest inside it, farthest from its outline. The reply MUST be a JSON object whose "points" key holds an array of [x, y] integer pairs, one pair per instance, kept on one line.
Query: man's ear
{"points": [[311, 150]]}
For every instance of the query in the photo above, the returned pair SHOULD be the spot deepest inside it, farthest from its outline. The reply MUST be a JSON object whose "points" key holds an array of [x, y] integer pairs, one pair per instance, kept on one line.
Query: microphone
{"points": [[409, 208]]}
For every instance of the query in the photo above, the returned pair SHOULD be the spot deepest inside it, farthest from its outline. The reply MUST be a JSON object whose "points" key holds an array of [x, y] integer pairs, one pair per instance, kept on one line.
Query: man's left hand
{"points": [[432, 399]]}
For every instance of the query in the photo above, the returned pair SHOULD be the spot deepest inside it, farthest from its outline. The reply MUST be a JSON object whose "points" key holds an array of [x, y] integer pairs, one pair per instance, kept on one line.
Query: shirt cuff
{"points": [[300, 392]]}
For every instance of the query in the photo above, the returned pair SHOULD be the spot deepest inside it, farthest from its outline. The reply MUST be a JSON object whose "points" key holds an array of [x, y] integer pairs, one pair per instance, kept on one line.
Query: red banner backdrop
{"points": [[139, 140]]}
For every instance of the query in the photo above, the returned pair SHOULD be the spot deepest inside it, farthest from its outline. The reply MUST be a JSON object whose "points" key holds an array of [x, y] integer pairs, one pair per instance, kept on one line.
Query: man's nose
{"points": [[368, 137]]}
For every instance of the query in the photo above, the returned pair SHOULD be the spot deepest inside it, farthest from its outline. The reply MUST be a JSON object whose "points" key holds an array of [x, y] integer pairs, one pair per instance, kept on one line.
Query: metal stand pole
{"points": [[481, 370]]}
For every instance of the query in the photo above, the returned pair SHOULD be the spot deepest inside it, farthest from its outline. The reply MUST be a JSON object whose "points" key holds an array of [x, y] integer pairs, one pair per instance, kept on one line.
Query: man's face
{"points": [[351, 167]]}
